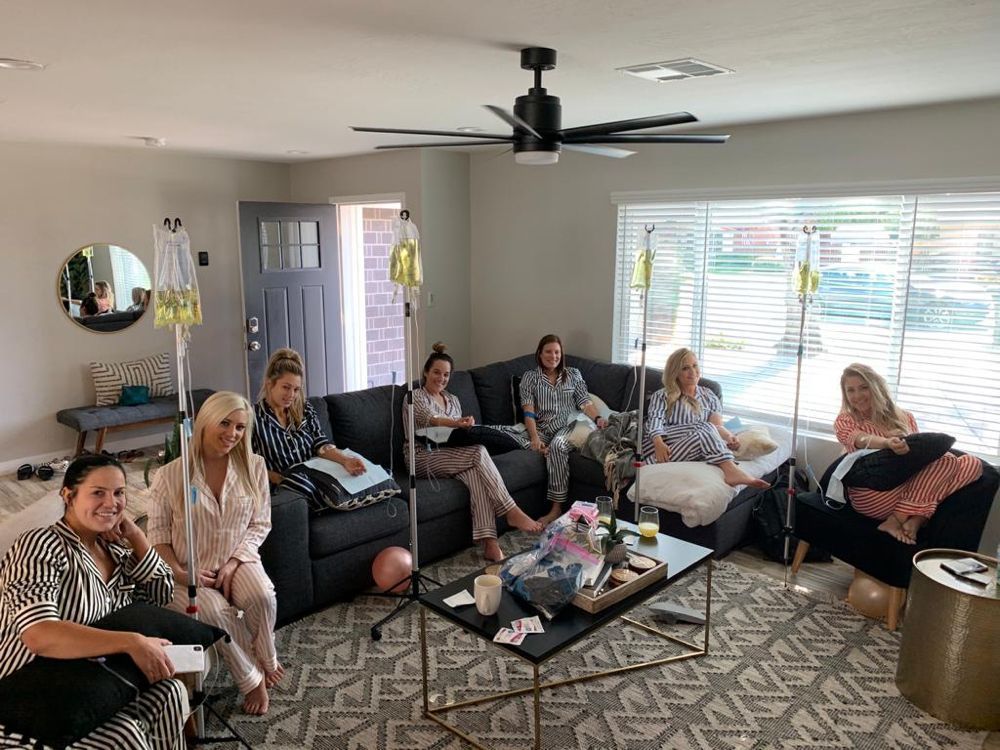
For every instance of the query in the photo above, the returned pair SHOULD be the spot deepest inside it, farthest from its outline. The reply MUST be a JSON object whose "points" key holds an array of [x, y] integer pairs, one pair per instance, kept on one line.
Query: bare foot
{"points": [[492, 551], [912, 525], [274, 677], [256, 702], [735, 476], [894, 528], [521, 520], [551, 516]]}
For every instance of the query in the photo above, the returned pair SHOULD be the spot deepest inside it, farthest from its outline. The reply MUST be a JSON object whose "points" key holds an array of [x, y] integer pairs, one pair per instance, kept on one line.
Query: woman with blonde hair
{"points": [[105, 297], [684, 423], [870, 419], [232, 517], [288, 429]]}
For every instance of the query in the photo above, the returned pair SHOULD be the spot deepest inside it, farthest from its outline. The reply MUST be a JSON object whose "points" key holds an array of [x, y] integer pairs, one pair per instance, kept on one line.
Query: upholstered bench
{"points": [[107, 419]]}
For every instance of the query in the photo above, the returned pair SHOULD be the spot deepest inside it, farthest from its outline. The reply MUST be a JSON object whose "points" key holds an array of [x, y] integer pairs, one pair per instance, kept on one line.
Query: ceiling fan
{"points": [[538, 135]]}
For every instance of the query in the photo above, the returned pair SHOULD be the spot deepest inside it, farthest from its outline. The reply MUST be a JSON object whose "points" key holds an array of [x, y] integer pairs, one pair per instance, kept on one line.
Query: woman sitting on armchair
{"points": [[684, 423], [870, 419]]}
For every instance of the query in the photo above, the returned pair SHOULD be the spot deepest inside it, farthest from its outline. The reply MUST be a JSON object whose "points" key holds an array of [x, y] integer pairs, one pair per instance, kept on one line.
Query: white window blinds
{"points": [[910, 284]]}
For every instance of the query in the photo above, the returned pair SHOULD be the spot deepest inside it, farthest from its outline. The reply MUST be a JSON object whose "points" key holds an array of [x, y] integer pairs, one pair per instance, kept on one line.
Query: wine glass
{"points": [[649, 521], [605, 510]]}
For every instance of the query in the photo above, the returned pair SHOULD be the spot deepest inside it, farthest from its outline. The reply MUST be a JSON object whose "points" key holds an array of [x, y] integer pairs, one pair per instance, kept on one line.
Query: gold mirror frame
{"points": [[110, 281]]}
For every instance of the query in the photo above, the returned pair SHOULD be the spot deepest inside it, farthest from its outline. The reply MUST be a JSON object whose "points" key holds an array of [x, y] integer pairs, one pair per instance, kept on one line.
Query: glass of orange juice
{"points": [[649, 521]]}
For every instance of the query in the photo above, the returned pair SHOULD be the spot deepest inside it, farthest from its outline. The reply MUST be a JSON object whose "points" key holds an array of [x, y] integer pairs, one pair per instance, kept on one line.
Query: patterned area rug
{"points": [[783, 671]]}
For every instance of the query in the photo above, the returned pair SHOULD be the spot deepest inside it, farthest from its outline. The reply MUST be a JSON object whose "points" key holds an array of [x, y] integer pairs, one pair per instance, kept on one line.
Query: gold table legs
{"points": [[537, 686]]}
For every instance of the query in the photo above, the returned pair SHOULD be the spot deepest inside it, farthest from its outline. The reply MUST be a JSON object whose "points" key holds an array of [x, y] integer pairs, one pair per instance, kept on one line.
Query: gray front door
{"points": [[291, 290]]}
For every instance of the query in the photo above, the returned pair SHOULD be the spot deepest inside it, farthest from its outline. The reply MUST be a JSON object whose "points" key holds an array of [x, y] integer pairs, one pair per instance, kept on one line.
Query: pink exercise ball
{"points": [[869, 596], [392, 566]]}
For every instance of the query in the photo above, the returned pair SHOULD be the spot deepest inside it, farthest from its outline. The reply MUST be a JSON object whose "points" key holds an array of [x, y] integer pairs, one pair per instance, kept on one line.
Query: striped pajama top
{"points": [[48, 574], [657, 419], [553, 404], [426, 406], [232, 525], [283, 447]]}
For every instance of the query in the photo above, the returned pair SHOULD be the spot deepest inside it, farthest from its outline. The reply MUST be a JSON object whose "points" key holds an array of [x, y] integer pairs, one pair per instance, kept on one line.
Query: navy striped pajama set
{"points": [[470, 464], [283, 447], [686, 430], [553, 405], [48, 575]]}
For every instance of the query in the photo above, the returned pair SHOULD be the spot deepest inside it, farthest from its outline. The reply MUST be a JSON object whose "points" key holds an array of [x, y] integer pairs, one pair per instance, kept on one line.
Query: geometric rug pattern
{"points": [[783, 671]]}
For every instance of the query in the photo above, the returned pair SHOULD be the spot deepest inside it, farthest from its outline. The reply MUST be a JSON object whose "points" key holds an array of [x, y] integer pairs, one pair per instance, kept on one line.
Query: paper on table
{"points": [[374, 474], [460, 599]]}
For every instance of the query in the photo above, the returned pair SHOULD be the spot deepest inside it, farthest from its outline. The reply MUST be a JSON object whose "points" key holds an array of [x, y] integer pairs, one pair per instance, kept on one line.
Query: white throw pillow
{"points": [[153, 372], [603, 410], [694, 489], [581, 431], [754, 443]]}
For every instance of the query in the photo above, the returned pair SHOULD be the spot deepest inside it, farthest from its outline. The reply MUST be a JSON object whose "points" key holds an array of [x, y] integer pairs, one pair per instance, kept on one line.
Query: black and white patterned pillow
{"points": [[153, 372]]}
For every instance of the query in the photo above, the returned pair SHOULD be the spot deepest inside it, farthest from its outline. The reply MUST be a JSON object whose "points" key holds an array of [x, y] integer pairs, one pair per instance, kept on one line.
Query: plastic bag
{"points": [[177, 300], [548, 576]]}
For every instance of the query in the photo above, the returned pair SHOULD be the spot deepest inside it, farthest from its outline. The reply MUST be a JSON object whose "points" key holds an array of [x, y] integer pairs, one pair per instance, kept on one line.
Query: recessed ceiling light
{"points": [[10, 63], [675, 70], [296, 152], [469, 129], [154, 142]]}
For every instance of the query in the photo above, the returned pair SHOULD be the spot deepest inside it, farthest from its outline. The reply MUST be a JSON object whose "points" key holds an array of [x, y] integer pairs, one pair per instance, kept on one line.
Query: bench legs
{"points": [[80, 440], [897, 597], [100, 440], [801, 550]]}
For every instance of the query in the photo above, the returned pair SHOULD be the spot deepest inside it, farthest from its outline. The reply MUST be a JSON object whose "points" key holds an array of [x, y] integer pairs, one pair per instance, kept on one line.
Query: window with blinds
{"points": [[909, 284]]}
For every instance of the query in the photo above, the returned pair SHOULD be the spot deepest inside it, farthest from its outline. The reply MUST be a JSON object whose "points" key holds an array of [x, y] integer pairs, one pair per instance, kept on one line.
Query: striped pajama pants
{"points": [[154, 721], [251, 650], [921, 494], [697, 441], [473, 467], [557, 460]]}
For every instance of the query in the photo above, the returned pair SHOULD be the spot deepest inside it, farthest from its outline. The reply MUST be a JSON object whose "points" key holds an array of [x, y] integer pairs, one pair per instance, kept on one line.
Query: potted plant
{"points": [[613, 541]]}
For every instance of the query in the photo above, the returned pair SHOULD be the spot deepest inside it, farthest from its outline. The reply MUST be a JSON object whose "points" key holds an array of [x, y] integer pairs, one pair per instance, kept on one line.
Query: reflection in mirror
{"points": [[103, 288]]}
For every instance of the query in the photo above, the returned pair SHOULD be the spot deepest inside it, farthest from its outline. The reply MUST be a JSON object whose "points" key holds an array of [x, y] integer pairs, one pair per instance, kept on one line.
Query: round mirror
{"points": [[103, 288]]}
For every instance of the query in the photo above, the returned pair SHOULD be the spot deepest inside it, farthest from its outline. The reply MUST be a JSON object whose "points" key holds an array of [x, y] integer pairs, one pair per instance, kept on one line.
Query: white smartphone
{"points": [[186, 658], [964, 566]]}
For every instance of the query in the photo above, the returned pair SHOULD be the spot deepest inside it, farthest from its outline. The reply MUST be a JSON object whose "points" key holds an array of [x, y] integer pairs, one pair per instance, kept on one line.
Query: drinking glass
{"points": [[605, 510], [649, 521]]}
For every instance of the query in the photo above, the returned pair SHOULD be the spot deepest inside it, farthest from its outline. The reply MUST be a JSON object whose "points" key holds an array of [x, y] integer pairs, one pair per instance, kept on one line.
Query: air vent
{"points": [[675, 70]]}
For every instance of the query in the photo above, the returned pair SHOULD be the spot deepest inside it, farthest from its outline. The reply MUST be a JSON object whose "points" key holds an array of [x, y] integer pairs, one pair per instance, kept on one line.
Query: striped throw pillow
{"points": [[152, 372]]}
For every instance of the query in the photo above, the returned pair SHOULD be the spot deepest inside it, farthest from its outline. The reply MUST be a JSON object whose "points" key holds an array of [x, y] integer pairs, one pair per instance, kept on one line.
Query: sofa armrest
{"points": [[285, 554]]}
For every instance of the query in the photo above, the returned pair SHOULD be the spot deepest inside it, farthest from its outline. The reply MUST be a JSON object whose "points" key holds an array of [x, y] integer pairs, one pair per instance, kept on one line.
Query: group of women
{"points": [[56, 581]]}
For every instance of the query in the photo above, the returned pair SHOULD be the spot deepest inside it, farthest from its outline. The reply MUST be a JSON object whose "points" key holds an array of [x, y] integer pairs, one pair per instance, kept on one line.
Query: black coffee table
{"points": [[569, 626]]}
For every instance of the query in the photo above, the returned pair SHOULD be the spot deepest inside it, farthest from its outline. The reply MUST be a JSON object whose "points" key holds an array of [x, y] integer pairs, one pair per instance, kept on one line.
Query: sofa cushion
{"points": [[319, 404], [332, 532], [603, 379], [439, 497], [520, 469], [462, 387], [492, 383], [369, 422], [585, 470]]}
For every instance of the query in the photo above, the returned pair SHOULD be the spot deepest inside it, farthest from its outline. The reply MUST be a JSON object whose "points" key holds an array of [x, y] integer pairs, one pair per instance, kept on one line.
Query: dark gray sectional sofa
{"points": [[315, 560]]}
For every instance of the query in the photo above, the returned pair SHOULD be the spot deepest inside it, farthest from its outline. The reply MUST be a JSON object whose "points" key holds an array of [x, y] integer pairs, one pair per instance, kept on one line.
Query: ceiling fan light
{"points": [[536, 157]]}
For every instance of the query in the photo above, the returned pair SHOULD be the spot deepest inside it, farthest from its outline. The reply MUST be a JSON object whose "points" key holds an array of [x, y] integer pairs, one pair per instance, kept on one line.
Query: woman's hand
{"points": [[600, 422], [125, 533], [661, 450], [274, 477], [897, 445], [149, 656], [224, 578], [465, 422], [733, 442], [354, 466], [538, 446], [206, 578]]}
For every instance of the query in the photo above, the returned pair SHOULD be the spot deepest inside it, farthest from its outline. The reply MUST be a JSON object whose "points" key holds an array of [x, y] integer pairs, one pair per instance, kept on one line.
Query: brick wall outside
{"points": [[383, 318]]}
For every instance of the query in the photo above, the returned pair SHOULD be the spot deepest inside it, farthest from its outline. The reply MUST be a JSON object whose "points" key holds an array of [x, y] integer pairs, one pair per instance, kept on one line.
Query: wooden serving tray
{"points": [[609, 595]]}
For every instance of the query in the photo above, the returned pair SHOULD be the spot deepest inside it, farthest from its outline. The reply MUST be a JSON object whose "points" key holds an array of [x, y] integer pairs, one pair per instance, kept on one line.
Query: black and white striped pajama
{"points": [[686, 430], [470, 464], [553, 405], [48, 575], [283, 447]]}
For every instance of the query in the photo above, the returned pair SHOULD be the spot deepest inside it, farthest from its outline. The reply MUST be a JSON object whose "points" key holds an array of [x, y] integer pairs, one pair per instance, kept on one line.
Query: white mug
{"points": [[487, 590]]}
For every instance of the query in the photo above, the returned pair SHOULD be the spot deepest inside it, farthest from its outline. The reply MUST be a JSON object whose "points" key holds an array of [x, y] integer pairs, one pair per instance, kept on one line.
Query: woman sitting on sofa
{"points": [[870, 419], [232, 517], [489, 499], [56, 581], [684, 423], [550, 395], [288, 430]]}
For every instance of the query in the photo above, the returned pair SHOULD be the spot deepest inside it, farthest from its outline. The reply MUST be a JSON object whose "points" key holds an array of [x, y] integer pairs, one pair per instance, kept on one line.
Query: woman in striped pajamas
{"points": [[232, 517], [433, 406], [55, 581], [869, 419], [684, 423], [550, 395], [288, 430]]}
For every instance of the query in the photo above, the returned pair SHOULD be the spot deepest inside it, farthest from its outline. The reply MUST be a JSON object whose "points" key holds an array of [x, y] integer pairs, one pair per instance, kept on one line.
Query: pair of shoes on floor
{"points": [[44, 471]]}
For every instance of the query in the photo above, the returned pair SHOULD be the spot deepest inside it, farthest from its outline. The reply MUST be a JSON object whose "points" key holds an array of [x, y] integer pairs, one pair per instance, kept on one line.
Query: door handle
{"points": [[252, 325], [253, 346]]}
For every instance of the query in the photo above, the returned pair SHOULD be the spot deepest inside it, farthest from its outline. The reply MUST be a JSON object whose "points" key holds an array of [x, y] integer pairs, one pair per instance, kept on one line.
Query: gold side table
{"points": [[949, 659]]}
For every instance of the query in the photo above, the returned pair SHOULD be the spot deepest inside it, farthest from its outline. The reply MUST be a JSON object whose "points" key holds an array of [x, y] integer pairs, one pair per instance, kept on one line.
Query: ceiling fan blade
{"points": [[446, 144], [513, 120], [617, 153], [649, 139], [638, 123], [450, 133]]}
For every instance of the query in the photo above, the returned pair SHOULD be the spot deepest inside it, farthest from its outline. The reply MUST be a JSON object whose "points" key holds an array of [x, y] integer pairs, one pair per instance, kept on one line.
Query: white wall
{"points": [[56, 199], [543, 238]]}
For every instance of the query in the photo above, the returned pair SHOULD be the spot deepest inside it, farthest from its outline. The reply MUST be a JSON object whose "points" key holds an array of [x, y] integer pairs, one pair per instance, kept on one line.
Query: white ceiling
{"points": [[257, 78]]}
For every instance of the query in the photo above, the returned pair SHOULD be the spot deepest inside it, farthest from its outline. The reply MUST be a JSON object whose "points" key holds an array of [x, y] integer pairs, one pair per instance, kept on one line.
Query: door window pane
{"points": [[289, 232], [292, 256], [269, 233], [309, 232], [310, 256], [270, 258]]}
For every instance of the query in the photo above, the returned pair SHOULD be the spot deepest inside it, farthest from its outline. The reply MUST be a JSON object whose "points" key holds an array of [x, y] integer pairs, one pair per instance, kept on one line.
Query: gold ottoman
{"points": [[949, 659]]}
